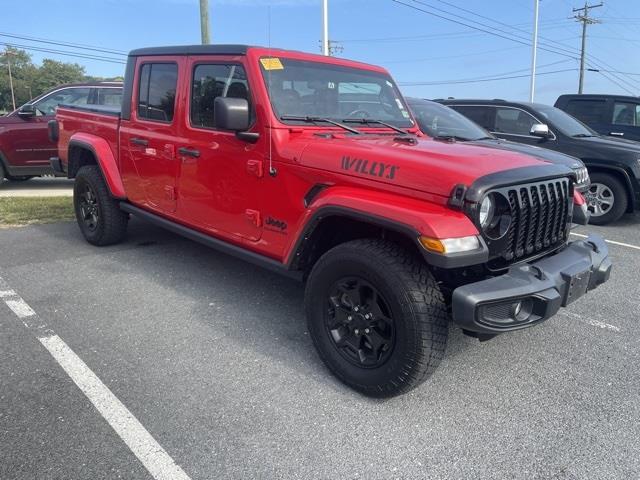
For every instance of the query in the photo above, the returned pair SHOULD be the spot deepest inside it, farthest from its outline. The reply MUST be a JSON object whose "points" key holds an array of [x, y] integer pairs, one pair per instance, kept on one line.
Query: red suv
{"points": [[25, 147]]}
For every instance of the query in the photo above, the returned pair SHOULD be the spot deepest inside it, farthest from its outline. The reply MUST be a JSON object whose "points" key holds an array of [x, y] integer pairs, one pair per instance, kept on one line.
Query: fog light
{"points": [[521, 311], [517, 309]]}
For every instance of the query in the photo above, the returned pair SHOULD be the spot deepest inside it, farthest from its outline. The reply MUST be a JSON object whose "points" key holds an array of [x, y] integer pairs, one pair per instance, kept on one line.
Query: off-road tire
{"points": [[3, 174], [415, 302], [111, 224], [621, 200]]}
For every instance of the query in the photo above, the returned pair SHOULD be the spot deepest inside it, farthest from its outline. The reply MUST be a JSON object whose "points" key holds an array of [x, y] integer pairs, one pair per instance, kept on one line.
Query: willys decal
{"points": [[375, 169]]}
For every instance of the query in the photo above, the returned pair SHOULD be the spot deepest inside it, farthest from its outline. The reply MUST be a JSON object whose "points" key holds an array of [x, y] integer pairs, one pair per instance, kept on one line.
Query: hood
{"points": [[9, 119], [612, 143], [543, 154], [421, 164]]}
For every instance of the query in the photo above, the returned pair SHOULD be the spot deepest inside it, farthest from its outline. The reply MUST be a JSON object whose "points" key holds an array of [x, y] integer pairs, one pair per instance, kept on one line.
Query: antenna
{"points": [[272, 170]]}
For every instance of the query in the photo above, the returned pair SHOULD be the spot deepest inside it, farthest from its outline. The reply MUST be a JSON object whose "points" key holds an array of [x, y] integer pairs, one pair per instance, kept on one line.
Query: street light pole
{"points": [[325, 27], [532, 87]]}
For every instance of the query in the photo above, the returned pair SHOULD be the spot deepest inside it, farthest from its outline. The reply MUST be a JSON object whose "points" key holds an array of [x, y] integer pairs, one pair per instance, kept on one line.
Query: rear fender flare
{"points": [[105, 159]]}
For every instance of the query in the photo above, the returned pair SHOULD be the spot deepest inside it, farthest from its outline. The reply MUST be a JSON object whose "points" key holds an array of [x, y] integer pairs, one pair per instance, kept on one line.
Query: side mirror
{"points": [[540, 130], [231, 114], [27, 111]]}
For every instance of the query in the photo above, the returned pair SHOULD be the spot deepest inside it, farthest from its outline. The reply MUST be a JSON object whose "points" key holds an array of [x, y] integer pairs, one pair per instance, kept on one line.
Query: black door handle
{"points": [[190, 152], [139, 141]]}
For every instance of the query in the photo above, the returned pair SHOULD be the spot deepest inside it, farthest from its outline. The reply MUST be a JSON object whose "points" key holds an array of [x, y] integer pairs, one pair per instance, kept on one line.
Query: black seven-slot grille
{"points": [[539, 220]]}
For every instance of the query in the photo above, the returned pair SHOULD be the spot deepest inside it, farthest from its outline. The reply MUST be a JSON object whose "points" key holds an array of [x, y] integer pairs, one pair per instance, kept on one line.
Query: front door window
{"points": [[66, 96]]}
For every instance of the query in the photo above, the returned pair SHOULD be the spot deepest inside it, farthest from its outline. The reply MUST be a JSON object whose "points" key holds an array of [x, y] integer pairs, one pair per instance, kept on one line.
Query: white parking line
{"points": [[155, 459], [591, 321], [635, 247]]}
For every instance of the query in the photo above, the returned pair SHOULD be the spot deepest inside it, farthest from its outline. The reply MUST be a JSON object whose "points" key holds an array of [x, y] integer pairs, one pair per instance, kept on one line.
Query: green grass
{"points": [[18, 211]]}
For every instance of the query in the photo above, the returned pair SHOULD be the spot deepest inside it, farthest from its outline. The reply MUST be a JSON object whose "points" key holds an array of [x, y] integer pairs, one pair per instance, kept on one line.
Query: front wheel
{"points": [[376, 316], [99, 217], [606, 199]]}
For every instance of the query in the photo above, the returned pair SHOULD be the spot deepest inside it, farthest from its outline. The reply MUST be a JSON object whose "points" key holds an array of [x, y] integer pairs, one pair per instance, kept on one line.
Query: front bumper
{"points": [[529, 294]]}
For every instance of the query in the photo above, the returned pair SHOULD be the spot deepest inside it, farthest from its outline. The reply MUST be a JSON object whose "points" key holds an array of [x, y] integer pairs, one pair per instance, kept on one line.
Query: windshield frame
{"points": [[408, 123], [466, 122]]}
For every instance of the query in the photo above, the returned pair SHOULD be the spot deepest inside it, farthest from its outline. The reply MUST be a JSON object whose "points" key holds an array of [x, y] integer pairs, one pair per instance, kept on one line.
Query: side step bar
{"points": [[212, 242]]}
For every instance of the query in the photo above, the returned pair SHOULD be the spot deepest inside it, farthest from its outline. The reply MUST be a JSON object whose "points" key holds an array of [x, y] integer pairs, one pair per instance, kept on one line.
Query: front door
{"points": [[27, 145], [148, 138], [220, 175]]}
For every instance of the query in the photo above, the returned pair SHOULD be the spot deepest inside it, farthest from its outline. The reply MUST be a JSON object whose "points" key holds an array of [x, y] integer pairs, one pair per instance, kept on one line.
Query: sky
{"points": [[429, 57]]}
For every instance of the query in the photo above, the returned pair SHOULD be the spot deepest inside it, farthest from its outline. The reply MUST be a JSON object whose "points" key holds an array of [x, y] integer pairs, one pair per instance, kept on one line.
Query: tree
{"points": [[22, 71], [29, 80]]}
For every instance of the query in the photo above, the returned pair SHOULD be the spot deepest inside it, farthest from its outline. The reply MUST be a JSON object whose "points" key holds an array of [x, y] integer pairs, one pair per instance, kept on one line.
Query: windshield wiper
{"points": [[309, 119], [582, 135], [379, 122], [452, 137]]}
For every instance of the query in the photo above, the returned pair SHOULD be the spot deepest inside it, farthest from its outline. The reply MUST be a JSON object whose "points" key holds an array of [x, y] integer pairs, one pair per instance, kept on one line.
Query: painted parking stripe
{"points": [[591, 321], [612, 242], [154, 458]]}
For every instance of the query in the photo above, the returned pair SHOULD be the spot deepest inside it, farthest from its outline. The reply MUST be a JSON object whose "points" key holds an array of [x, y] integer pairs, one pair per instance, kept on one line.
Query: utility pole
{"points": [[204, 22], [325, 27], [532, 88], [586, 20], [8, 54]]}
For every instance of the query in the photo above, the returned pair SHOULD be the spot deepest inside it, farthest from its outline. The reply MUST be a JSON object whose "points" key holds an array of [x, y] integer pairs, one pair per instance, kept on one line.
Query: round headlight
{"points": [[487, 209]]}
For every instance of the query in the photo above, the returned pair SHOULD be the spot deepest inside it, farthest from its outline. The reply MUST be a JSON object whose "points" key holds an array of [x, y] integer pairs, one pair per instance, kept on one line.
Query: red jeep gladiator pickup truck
{"points": [[313, 166]]}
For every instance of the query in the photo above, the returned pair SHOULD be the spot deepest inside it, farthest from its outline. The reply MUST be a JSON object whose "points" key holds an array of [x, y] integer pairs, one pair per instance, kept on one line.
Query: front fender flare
{"points": [[410, 216], [104, 157]]}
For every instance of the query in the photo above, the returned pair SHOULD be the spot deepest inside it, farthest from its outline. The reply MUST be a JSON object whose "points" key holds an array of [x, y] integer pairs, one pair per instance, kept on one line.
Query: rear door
{"points": [[220, 176], [625, 120], [148, 138]]}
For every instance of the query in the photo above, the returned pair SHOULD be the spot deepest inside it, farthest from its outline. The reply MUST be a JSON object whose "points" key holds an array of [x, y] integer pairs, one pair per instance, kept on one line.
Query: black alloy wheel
{"points": [[89, 209], [359, 322]]}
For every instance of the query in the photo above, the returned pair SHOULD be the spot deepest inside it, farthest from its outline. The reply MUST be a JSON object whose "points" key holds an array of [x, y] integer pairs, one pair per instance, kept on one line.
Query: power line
{"points": [[66, 53], [514, 38], [63, 44], [439, 82]]}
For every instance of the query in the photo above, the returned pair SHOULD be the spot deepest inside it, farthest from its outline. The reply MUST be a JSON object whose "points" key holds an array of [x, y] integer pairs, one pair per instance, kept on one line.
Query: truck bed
{"points": [[98, 120]]}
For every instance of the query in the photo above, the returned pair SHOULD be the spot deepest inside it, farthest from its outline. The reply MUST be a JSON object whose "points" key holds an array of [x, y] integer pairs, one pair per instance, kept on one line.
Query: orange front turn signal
{"points": [[432, 244]]}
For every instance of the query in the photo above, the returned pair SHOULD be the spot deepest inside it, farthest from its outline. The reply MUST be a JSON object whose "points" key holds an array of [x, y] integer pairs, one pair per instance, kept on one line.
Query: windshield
{"points": [[313, 89], [564, 122], [436, 120]]}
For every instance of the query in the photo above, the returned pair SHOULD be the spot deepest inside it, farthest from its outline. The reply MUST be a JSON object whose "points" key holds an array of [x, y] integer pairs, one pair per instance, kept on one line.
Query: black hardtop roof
{"points": [[592, 96], [191, 50], [494, 101]]}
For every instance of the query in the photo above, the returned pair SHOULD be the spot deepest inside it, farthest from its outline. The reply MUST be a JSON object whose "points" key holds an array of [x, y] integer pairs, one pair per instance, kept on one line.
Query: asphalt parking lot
{"points": [[212, 358]]}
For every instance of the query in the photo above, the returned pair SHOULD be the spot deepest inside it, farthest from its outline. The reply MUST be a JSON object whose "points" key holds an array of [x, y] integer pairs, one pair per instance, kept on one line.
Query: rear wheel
{"points": [[99, 217], [2, 172], [376, 316], [606, 199]]}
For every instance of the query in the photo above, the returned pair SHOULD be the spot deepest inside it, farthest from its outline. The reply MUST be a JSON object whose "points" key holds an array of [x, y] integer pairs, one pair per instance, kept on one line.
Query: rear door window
{"points": [[109, 96], [588, 111], [626, 113], [157, 91], [482, 115]]}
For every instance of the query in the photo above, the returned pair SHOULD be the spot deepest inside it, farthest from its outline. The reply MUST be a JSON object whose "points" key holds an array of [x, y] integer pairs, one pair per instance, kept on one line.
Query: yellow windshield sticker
{"points": [[272, 63]]}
